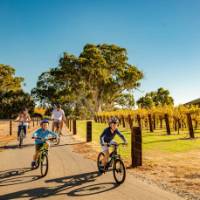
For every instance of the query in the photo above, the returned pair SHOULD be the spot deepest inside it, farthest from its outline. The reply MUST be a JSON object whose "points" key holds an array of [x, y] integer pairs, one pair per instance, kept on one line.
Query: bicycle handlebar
{"points": [[115, 144], [44, 138]]}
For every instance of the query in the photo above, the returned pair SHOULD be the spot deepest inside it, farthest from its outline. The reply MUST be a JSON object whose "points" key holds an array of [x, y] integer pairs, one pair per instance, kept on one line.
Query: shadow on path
{"points": [[63, 185], [16, 146], [16, 176], [69, 144]]}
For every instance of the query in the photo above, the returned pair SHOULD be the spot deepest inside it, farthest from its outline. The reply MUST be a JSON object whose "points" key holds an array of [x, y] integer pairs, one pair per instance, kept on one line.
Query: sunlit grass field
{"points": [[157, 141]]}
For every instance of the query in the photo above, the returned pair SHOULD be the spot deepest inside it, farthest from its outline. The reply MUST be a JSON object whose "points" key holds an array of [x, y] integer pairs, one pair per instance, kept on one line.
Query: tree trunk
{"points": [[167, 124], [150, 123]]}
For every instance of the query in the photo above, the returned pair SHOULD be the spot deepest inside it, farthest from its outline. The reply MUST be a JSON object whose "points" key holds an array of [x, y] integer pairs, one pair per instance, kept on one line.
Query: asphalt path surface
{"points": [[70, 176]]}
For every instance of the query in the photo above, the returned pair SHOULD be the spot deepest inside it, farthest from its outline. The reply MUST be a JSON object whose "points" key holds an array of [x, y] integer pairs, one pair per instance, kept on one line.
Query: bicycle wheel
{"points": [[57, 140], [44, 164], [119, 171], [100, 158], [21, 137]]}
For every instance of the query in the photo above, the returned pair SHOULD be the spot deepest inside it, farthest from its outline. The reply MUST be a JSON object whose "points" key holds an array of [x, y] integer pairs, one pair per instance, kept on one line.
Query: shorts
{"points": [[57, 124], [106, 148], [38, 146]]}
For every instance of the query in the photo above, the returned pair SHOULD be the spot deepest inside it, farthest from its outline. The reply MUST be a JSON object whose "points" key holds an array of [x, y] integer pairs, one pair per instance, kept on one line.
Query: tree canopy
{"points": [[89, 82], [12, 98], [160, 97], [8, 80]]}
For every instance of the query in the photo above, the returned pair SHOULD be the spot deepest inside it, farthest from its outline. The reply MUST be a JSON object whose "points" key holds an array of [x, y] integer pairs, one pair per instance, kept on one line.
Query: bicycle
{"points": [[21, 134], [42, 159], [56, 141], [115, 161]]}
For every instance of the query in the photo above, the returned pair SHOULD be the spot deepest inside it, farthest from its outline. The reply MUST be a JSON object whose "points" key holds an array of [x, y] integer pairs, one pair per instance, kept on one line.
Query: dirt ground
{"points": [[177, 172], [5, 136]]}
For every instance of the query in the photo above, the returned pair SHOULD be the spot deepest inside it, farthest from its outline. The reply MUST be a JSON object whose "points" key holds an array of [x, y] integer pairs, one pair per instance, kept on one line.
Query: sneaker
{"points": [[33, 164]]}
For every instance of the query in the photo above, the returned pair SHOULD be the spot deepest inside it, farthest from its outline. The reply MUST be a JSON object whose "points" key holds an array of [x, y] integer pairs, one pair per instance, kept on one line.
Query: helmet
{"points": [[44, 121], [113, 120]]}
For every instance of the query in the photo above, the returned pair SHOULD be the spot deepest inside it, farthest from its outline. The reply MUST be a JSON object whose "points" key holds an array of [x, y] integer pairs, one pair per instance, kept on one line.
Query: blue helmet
{"points": [[113, 120], [44, 121]]}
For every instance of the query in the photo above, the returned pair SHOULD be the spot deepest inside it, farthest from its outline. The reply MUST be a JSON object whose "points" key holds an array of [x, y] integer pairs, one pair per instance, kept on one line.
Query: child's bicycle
{"points": [[115, 162], [42, 160]]}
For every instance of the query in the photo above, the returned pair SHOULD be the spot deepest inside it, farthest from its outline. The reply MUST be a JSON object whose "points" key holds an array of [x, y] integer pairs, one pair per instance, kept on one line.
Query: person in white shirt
{"points": [[58, 117]]}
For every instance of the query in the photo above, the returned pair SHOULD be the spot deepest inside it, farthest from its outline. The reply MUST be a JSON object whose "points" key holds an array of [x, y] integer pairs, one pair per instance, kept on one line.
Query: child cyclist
{"points": [[107, 137], [41, 136]]}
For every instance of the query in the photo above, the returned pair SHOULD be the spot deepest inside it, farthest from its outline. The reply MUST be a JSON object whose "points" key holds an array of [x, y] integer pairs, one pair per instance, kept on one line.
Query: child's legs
{"points": [[106, 154], [37, 151]]}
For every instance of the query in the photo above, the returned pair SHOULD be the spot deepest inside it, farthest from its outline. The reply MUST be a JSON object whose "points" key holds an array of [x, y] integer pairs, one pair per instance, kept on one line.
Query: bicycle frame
{"points": [[114, 155], [43, 151]]}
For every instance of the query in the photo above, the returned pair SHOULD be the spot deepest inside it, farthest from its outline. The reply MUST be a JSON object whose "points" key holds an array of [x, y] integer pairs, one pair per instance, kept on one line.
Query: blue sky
{"points": [[162, 38]]}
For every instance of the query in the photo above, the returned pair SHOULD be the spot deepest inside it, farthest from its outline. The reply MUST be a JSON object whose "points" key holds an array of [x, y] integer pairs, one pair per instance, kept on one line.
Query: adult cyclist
{"points": [[23, 119], [107, 137], [58, 117]]}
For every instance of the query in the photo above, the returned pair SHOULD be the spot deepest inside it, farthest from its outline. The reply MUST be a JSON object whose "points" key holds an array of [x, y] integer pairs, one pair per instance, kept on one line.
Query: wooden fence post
{"points": [[74, 127], [150, 123], [33, 122], [167, 124], [11, 127], [136, 146], [89, 131], [70, 125], [67, 122], [189, 120]]}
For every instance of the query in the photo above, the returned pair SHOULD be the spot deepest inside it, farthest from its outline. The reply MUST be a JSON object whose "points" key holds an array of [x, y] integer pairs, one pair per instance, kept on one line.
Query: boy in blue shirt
{"points": [[41, 136]]}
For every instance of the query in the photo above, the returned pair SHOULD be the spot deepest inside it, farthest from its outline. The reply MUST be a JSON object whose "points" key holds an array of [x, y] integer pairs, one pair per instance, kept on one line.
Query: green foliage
{"points": [[12, 102], [8, 81], [161, 97], [12, 98], [90, 82], [126, 101]]}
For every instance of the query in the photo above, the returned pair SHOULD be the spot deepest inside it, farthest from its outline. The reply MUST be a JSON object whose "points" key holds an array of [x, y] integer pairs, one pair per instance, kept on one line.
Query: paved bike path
{"points": [[70, 176]]}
